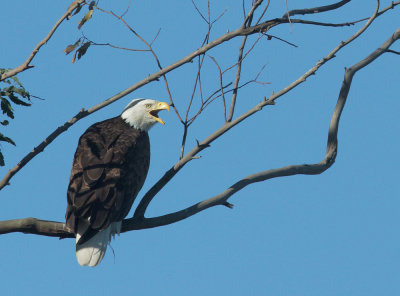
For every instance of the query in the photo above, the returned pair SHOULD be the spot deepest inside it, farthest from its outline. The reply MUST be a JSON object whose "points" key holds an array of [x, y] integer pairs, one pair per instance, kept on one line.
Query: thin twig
{"points": [[221, 85], [263, 27], [148, 197], [57, 229], [150, 49], [247, 22], [199, 12], [393, 51], [263, 13], [127, 8]]}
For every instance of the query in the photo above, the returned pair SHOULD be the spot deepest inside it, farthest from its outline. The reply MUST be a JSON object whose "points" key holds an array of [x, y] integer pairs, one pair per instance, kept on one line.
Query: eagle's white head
{"points": [[142, 114]]}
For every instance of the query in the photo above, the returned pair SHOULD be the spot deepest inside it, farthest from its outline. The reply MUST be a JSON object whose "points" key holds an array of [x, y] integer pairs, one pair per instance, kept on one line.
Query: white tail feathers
{"points": [[92, 252]]}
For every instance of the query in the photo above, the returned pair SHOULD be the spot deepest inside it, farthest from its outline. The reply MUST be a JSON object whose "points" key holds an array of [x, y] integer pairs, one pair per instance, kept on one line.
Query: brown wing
{"points": [[109, 168]]}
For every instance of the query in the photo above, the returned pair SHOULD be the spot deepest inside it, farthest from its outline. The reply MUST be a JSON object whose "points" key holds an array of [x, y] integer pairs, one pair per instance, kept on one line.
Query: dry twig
{"points": [[50, 228]]}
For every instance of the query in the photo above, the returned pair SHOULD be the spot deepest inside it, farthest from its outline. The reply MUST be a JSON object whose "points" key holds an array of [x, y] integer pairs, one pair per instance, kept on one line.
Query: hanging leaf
{"points": [[91, 5], [17, 101], [82, 50], [72, 47], [6, 139], [1, 159], [16, 94], [6, 108], [10, 92], [87, 17]]}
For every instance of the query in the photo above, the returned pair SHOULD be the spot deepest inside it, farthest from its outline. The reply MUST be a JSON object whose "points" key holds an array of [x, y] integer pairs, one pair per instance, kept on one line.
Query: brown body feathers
{"points": [[109, 168]]}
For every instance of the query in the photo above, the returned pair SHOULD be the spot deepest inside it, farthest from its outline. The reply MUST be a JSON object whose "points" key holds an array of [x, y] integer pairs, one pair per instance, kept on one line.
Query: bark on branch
{"points": [[57, 229], [148, 197], [263, 27]]}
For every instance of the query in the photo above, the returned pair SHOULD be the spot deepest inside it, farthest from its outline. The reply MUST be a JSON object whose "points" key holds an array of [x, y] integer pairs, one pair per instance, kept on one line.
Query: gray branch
{"points": [[57, 229], [141, 209], [315, 9], [242, 31]]}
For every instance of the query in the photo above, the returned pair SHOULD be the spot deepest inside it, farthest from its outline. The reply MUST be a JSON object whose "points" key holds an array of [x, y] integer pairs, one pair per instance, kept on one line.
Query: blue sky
{"points": [[331, 234]]}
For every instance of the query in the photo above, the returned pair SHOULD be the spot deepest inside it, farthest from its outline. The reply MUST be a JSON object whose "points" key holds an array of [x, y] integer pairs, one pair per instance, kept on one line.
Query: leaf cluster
{"points": [[80, 46], [12, 92], [80, 52]]}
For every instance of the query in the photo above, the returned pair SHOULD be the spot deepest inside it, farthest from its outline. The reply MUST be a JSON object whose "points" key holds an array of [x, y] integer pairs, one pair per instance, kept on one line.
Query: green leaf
{"points": [[82, 50], [6, 108], [21, 91], [4, 122], [1, 159], [6, 139], [87, 17], [71, 47], [17, 101], [17, 81]]}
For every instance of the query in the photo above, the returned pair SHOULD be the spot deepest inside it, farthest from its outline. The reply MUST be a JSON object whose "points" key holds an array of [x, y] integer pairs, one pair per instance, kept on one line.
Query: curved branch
{"points": [[148, 197], [263, 27], [26, 65], [83, 113], [316, 9], [57, 229], [304, 169]]}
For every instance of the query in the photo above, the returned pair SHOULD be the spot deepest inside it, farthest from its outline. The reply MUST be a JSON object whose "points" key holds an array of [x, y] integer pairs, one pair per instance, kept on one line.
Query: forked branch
{"points": [[256, 29], [57, 229]]}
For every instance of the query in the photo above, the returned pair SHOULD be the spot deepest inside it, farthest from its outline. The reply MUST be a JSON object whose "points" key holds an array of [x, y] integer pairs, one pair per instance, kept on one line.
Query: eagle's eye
{"points": [[148, 106]]}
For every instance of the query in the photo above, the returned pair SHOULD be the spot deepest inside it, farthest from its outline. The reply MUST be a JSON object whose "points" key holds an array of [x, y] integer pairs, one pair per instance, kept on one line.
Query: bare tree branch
{"points": [[26, 65], [263, 27], [221, 83], [315, 9], [57, 229], [141, 209], [247, 22]]}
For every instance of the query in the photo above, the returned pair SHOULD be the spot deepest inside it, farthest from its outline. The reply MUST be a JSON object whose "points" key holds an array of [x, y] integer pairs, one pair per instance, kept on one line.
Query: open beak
{"points": [[154, 112]]}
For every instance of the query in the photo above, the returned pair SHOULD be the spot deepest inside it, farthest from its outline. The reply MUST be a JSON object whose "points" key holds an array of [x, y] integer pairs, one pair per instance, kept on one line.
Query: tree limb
{"points": [[57, 229], [143, 204], [263, 27], [83, 113]]}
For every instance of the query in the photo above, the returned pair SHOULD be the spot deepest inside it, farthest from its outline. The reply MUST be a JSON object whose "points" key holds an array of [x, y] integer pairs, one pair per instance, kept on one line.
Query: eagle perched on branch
{"points": [[109, 168]]}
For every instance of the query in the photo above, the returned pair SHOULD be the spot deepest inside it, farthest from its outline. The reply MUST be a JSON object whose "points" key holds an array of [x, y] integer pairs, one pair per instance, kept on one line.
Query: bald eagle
{"points": [[109, 168]]}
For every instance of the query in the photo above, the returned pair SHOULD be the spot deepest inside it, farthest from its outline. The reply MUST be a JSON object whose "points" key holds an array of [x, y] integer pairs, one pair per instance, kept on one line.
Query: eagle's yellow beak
{"points": [[157, 108]]}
